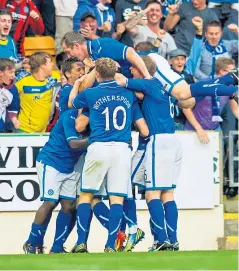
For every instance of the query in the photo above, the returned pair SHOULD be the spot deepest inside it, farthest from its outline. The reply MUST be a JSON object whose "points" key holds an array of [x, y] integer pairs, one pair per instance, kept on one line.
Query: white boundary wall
{"points": [[198, 196]]}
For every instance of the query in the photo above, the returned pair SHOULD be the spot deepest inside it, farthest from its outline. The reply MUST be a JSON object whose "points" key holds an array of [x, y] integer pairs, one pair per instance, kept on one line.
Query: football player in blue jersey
{"points": [[73, 69], [176, 86], [57, 176], [74, 44], [163, 152], [111, 109]]}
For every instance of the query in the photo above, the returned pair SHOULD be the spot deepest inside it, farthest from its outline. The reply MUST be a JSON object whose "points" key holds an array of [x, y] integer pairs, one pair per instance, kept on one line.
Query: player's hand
{"points": [[121, 28], [89, 62], [234, 28], [203, 136], [120, 79], [139, 95], [16, 122], [107, 26], [80, 80], [173, 9], [34, 15], [198, 23]]}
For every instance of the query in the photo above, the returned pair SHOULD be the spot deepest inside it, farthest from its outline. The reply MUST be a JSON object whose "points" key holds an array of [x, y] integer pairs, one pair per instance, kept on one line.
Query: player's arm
{"points": [[138, 85], [139, 120], [189, 103], [81, 84], [74, 139], [80, 101], [234, 108], [82, 122], [137, 62], [202, 134]]}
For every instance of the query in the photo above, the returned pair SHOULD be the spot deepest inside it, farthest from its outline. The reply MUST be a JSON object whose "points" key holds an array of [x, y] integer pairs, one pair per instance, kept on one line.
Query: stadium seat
{"points": [[39, 44]]}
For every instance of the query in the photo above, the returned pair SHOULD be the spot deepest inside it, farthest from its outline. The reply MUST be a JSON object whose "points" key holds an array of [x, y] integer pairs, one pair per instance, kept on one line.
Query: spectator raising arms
{"points": [[211, 48], [7, 45], [183, 17], [24, 14], [162, 41], [124, 10]]}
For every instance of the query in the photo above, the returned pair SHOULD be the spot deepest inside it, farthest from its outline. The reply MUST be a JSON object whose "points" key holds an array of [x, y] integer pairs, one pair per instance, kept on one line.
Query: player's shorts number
{"points": [[171, 108], [115, 112]]}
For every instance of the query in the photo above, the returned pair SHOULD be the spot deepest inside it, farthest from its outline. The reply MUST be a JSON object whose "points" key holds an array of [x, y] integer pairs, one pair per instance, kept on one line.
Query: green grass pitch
{"points": [[180, 260]]}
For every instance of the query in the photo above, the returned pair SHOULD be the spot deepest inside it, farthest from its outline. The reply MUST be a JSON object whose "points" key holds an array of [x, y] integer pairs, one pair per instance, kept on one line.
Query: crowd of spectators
{"points": [[198, 38]]}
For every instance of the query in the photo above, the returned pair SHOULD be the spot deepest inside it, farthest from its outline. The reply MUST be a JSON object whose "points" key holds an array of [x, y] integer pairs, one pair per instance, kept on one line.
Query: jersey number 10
{"points": [[107, 113]]}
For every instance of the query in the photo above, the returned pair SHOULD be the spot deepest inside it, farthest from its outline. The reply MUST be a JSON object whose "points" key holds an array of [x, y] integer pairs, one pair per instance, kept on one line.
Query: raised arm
{"points": [[172, 18], [137, 62]]}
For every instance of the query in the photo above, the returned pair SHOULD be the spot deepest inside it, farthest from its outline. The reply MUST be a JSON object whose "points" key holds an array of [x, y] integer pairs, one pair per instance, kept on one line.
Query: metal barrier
{"points": [[233, 159]]}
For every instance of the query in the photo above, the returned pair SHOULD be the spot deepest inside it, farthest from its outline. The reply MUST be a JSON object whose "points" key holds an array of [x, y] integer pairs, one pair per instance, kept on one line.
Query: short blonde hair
{"points": [[106, 67], [150, 64], [223, 62], [38, 59]]}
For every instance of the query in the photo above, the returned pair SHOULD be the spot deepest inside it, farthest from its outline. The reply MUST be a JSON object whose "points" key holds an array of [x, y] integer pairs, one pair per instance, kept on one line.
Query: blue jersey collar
{"points": [[108, 83]]}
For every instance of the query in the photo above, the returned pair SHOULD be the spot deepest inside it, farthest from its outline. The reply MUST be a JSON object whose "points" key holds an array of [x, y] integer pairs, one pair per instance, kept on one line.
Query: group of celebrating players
{"points": [[88, 156]]}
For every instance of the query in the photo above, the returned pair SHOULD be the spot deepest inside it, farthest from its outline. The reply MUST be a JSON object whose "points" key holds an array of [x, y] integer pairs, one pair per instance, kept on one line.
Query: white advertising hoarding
{"points": [[198, 186]]}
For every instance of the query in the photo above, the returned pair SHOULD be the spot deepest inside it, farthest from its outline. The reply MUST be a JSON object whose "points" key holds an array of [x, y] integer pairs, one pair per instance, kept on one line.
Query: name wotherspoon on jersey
{"points": [[111, 98]]}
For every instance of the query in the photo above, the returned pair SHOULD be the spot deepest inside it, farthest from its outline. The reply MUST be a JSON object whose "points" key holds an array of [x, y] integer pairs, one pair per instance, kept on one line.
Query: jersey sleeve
{"points": [[113, 49], [69, 127], [80, 101], [15, 104], [136, 112], [147, 86]]}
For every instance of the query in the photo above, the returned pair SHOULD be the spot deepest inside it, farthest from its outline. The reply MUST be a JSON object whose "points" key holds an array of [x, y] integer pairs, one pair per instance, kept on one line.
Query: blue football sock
{"points": [[157, 216], [115, 218], [101, 211], [84, 215], [204, 89], [36, 235], [123, 225], [63, 221], [89, 223], [152, 229], [130, 216], [171, 217]]}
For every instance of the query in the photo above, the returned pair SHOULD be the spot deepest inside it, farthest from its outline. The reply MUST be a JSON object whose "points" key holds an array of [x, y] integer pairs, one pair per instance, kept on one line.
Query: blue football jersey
{"points": [[64, 97], [108, 47], [57, 152], [111, 110], [157, 107]]}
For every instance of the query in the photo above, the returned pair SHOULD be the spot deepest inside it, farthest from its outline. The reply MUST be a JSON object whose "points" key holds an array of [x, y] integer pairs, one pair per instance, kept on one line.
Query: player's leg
{"points": [[177, 86], [100, 210], [171, 217], [137, 178], [170, 206], [67, 197], [117, 185], [160, 156], [49, 189], [63, 222], [94, 171]]}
